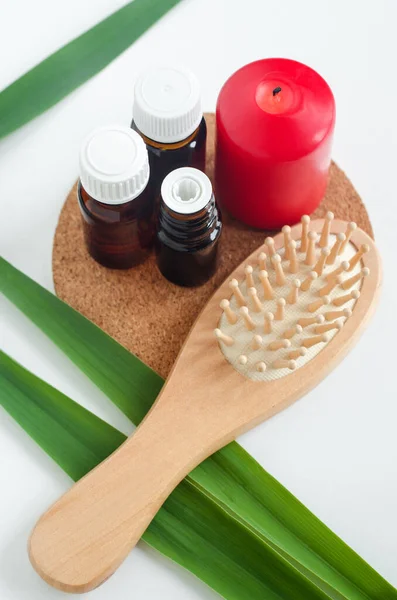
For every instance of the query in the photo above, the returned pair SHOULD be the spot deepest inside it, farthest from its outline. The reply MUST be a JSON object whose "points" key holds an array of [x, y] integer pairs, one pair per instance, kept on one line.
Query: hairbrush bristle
{"points": [[248, 322], [305, 220], [255, 302], [278, 268], [230, 314], [324, 239], [266, 285], [280, 311], [287, 240], [320, 264], [358, 256], [353, 280], [237, 293], [351, 227], [340, 238]]}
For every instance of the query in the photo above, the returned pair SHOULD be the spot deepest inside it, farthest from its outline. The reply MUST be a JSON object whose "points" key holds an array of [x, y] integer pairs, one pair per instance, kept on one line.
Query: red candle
{"points": [[275, 120]]}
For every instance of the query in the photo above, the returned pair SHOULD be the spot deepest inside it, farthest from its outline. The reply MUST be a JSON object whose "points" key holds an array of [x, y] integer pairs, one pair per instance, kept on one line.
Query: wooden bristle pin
{"points": [[269, 241], [292, 297], [287, 239], [280, 311], [237, 293], [351, 227], [294, 354], [267, 288], [248, 322], [328, 327], [357, 257], [296, 329], [320, 264], [282, 363], [256, 343], [313, 306], [306, 321], [249, 279], [342, 267], [340, 238], [327, 289], [268, 322], [222, 337], [262, 261], [261, 367], [313, 341], [256, 303], [323, 243], [306, 283], [242, 360], [293, 260], [335, 314], [278, 344], [278, 268], [230, 314], [352, 280], [353, 295], [311, 248], [305, 220]]}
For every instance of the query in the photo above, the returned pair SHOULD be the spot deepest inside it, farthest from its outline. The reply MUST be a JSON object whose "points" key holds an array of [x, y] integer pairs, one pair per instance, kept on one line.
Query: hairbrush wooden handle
{"points": [[83, 538], [257, 363]]}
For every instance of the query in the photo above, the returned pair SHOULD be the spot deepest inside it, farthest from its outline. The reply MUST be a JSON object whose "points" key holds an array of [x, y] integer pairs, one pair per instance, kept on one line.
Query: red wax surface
{"points": [[275, 120]]}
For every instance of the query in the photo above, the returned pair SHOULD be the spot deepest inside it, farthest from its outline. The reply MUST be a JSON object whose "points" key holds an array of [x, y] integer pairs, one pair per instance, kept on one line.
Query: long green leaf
{"points": [[230, 477], [82, 58], [190, 528]]}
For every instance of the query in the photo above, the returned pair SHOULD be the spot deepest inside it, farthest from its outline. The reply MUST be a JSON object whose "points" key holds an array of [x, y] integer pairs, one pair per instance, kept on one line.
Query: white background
{"points": [[336, 449]]}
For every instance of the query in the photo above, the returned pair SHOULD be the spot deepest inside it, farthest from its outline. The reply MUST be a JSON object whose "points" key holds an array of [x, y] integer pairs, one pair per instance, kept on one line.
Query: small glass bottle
{"points": [[115, 197], [167, 113], [188, 228]]}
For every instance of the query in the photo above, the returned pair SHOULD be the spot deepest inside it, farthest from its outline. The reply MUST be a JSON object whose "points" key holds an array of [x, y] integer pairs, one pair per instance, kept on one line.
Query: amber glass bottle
{"points": [[115, 197], [167, 114], [188, 228]]}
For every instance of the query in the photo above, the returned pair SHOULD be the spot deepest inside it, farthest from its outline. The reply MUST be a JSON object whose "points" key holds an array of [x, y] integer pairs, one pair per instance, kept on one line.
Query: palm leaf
{"points": [[82, 58]]}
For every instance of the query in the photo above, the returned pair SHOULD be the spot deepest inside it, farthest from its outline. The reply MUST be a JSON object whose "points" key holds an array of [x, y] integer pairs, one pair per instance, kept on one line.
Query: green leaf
{"points": [[230, 478], [190, 528], [82, 58]]}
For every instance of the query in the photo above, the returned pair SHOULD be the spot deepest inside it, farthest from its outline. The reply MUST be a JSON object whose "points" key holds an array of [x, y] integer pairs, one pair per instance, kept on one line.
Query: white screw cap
{"points": [[114, 165], [167, 104]]}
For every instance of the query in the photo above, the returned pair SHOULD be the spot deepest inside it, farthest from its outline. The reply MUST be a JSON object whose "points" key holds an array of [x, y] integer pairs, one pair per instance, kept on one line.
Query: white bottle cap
{"points": [[167, 104], [186, 190], [114, 165]]}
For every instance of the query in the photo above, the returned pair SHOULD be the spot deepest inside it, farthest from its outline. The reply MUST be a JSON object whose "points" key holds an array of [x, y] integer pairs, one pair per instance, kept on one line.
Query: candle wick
{"points": [[276, 91]]}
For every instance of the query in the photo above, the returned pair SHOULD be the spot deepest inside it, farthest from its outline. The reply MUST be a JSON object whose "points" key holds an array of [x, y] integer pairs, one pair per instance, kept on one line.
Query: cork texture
{"points": [[139, 308]]}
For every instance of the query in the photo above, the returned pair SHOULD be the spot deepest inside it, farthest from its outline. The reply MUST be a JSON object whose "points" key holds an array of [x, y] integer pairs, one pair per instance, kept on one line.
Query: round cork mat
{"points": [[142, 310]]}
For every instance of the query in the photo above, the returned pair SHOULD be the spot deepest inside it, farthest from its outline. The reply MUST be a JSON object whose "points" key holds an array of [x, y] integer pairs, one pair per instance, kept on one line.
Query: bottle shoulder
{"points": [[114, 213]]}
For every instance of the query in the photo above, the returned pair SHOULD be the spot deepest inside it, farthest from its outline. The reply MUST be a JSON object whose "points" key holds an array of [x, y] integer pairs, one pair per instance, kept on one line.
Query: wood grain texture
{"points": [[154, 325], [205, 404]]}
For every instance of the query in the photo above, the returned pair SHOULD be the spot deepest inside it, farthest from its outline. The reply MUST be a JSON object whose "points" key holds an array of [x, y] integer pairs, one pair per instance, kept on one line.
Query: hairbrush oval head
{"points": [[309, 296]]}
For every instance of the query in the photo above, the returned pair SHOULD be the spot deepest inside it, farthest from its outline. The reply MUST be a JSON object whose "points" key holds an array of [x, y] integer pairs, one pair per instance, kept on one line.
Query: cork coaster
{"points": [[142, 310]]}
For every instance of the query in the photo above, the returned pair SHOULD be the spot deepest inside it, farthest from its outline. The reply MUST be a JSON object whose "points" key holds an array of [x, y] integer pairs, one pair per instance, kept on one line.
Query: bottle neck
{"points": [[164, 145], [188, 233]]}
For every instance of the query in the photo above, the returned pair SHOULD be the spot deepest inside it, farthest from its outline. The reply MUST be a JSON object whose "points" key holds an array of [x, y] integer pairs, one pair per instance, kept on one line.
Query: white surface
{"points": [[167, 103], [114, 164], [335, 449]]}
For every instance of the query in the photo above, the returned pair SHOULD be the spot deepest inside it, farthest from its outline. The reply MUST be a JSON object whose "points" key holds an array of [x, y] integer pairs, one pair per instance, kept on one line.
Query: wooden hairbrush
{"points": [[282, 321]]}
